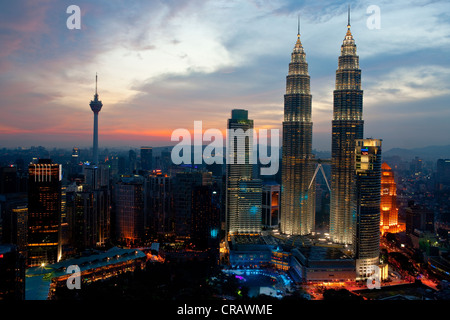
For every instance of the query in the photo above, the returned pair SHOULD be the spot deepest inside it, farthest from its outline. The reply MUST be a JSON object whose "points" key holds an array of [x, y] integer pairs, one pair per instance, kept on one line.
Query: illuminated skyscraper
{"points": [[44, 212], [297, 199], [96, 106], [389, 210], [243, 193], [368, 194], [347, 126]]}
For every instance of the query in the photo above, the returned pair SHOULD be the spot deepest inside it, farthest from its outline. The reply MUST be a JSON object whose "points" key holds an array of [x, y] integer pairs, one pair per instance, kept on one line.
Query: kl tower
{"points": [[96, 106]]}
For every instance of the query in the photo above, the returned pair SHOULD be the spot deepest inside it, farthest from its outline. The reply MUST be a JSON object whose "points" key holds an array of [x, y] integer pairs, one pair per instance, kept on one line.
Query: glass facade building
{"points": [[297, 199], [243, 193], [347, 126], [368, 199]]}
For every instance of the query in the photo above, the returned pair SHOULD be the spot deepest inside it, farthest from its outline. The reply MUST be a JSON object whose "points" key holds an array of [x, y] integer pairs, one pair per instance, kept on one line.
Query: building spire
{"points": [[96, 84], [298, 25], [349, 33], [348, 17]]}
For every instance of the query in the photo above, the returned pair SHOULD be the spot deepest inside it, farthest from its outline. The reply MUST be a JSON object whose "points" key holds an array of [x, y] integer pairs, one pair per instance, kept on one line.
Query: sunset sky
{"points": [[164, 64]]}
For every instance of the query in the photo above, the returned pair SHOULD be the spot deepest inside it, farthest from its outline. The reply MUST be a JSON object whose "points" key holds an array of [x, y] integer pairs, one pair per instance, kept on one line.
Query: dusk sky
{"points": [[164, 64]]}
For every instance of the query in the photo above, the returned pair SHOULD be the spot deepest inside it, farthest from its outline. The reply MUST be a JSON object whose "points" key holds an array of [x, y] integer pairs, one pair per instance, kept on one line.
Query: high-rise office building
{"points": [[132, 161], [297, 198], [75, 156], [389, 211], [347, 126], [159, 205], [8, 180], [129, 201], [243, 193], [13, 217], [205, 216], [88, 217], [96, 177], [146, 158], [418, 218], [368, 195], [443, 174], [74, 166], [81, 219], [183, 190], [96, 105], [44, 212]]}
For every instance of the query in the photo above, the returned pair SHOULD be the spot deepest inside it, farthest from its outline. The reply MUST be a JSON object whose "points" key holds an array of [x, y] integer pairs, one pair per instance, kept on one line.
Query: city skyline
{"points": [[148, 223], [202, 59]]}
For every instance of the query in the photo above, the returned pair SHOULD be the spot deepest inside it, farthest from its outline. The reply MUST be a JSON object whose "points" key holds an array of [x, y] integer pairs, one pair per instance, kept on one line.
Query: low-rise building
{"points": [[321, 264], [41, 282]]}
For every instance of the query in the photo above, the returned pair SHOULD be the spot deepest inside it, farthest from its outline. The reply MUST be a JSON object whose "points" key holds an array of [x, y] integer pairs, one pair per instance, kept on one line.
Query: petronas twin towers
{"points": [[298, 163]]}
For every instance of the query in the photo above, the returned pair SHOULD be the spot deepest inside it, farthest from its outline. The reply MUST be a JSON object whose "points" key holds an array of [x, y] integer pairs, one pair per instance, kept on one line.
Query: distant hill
{"points": [[426, 153]]}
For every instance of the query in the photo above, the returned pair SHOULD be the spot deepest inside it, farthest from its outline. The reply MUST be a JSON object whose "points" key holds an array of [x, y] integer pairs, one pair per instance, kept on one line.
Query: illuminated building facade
{"points": [[280, 259], [347, 126], [389, 211], [44, 212], [297, 199], [243, 193], [368, 194]]}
